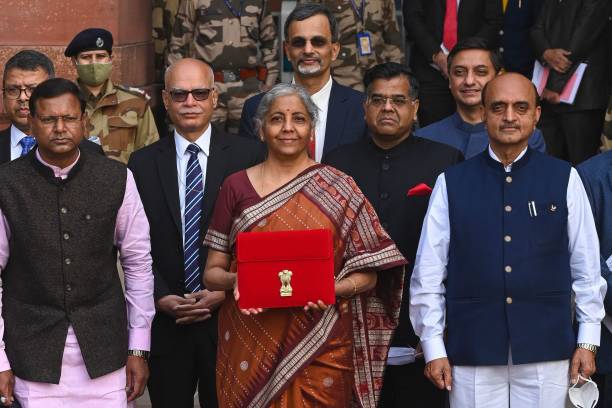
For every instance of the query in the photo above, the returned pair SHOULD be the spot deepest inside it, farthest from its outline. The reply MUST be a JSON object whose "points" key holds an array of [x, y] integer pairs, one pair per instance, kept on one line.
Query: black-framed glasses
{"points": [[199, 94], [380, 100], [14, 92], [52, 121], [316, 41]]}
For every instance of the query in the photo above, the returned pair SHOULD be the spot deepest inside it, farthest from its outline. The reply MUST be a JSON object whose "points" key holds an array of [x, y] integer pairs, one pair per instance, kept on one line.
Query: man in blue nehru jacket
{"points": [[508, 240], [471, 65]]}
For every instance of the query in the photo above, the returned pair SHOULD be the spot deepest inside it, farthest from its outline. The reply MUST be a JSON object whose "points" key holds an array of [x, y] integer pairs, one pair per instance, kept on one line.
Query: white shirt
{"points": [[427, 290], [182, 158], [321, 100], [16, 136]]}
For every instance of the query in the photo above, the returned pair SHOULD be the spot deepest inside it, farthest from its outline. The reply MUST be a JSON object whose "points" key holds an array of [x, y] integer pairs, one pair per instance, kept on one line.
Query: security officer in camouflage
{"points": [[119, 116], [164, 13], [369, 35], [238, 39]]}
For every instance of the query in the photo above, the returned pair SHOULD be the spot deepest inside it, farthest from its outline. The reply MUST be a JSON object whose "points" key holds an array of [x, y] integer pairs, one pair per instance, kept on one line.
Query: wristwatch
{"points": [[591, 347], [139, 353]]}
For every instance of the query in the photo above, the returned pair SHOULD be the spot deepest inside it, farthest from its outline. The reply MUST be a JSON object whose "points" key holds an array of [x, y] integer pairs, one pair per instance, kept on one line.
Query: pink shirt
{"points": [[132, 239]]}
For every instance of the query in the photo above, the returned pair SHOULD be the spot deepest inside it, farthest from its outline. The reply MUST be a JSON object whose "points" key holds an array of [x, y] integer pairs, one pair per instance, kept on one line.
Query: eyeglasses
{"points": [[316, 42], [199, 94], [380, 100], [52, 121], [14, 92]]}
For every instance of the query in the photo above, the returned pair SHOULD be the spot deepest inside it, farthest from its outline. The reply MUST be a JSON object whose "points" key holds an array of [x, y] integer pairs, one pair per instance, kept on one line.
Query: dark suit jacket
{"points": [[517, 51], [584, 28], [345, 117], [5, 146], [155, 173], [424, 23]]}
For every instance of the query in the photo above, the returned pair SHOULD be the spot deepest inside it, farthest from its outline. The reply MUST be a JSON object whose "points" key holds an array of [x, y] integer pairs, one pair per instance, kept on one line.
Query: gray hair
{"points": [[284, 90]]}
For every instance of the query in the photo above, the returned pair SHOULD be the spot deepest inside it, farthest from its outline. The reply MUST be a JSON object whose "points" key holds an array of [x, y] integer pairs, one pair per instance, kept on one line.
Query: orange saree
{"points": [[288, 357]]}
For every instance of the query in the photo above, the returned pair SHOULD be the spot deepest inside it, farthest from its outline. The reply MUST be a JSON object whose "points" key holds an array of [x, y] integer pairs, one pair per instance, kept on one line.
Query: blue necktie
{"points": [[27, 143], [193, 211]]}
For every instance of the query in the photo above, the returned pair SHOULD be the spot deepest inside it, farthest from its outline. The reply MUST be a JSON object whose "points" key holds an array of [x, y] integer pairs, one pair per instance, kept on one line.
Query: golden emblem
{"points": [[285, 279]]}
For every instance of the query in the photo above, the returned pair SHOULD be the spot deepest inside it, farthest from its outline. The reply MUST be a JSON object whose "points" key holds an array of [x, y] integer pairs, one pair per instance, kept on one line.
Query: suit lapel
{"points": [[215, 171], [5, 145], [336, 115], [166, 167]]}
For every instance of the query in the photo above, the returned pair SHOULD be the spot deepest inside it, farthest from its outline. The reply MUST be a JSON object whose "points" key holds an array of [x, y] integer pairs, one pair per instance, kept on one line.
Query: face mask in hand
{"points": [[585, 395], [94, 74]]}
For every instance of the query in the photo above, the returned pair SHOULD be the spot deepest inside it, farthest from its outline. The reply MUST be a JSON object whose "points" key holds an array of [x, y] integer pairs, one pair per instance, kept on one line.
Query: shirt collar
{"points": [[392, 151], [58, 172], [467, 127], [203, 142], [321, 94], [507, 168], [16, 136]]}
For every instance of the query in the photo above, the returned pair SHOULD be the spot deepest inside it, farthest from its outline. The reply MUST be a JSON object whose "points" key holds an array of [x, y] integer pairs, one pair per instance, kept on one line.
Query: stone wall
{"points": [[48, 26]]}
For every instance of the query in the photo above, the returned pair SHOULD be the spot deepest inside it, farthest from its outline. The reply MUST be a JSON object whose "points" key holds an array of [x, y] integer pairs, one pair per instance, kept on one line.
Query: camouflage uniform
{"points": [[209, 30], [121, 118], [386, 40], [164, 13], [607, 130]]}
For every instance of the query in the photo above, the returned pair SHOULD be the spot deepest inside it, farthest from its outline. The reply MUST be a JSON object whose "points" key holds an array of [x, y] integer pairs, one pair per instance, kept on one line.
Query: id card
{"points": [[364, 43]]}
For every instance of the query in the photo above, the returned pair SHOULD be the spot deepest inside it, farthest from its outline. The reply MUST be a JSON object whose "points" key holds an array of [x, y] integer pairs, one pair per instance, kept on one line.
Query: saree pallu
{"points": [[288, 357]]}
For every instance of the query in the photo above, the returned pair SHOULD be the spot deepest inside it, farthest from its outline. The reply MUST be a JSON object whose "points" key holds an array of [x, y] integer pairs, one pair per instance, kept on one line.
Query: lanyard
{"points": [[359, 11], [235, 12]]}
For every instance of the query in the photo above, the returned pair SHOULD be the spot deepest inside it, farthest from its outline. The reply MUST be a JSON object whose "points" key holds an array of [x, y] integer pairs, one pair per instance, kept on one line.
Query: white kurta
{"points": [[428, 313]]}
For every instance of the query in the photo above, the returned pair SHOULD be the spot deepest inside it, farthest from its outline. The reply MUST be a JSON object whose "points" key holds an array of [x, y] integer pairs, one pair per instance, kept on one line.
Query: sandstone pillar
{"points": [[48, 26]]}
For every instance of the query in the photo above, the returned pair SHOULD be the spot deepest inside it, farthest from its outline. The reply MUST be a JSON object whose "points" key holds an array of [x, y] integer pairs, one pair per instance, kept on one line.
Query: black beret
{"points": [[88, 40]]}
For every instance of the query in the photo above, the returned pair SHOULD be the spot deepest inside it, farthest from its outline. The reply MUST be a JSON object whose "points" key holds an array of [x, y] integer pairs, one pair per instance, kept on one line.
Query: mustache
{"points": [[311, 57], [190, 111], [388, 114], [510, 126]]}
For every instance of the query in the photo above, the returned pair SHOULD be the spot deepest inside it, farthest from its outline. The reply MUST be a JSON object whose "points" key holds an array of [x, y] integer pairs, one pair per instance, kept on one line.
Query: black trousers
{"points": [[572, 136], [189, 364], [406, 386]]}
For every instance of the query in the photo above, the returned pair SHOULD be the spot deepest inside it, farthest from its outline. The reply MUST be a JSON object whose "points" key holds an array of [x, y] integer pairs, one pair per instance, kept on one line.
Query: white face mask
{"points": [[585, 395]]}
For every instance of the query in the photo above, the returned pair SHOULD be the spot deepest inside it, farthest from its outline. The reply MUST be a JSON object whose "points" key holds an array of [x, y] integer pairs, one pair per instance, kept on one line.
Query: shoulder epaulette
{"points": [[134, 91]]}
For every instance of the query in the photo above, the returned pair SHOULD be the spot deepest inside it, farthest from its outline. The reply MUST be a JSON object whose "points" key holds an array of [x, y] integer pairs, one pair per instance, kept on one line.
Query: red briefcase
{"points": [[285, 268]]}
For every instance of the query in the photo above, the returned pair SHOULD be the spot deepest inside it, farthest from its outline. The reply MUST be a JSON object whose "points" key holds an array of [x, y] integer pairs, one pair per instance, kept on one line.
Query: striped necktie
{"points": [[27, 143], [193, 210]]}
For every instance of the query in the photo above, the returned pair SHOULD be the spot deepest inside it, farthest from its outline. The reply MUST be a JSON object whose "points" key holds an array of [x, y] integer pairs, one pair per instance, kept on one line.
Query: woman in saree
{"points": [[322, 355]]}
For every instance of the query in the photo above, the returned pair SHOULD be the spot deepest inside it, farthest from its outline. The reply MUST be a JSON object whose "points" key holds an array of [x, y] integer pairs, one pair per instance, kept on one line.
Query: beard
{"points": [[309, 70]]}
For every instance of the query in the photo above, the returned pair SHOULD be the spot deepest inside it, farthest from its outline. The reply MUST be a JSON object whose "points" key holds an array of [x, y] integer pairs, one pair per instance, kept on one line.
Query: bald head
{"points": [[508, 81], [188, 67], [511, 111], [190, 97]]}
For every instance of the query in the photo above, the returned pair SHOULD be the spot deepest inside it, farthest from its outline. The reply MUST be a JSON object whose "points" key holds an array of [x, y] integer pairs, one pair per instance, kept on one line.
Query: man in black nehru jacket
{"points": [[396, 171]]}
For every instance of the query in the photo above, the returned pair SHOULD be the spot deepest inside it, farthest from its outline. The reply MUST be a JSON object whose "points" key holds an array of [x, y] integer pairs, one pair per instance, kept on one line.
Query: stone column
{"points": [[48, 25]]}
